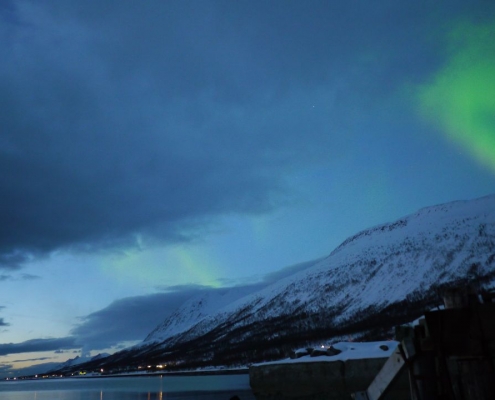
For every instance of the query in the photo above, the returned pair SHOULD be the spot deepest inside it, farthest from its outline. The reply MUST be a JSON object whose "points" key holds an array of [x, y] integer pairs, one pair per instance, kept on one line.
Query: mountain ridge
{"points": [[462, 220], [380, 277]]}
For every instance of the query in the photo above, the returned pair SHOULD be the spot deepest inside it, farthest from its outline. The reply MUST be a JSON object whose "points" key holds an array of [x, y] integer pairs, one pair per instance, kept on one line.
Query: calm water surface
{"points": [[210, 387]]}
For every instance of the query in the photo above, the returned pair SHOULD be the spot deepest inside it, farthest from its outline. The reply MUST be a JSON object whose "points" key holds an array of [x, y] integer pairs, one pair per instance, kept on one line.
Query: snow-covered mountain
{"points": [[197, 308], [370, 270], [374, 280]]}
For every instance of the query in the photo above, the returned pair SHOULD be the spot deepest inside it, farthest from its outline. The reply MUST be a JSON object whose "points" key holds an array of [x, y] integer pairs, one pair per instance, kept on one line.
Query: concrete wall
{"points": [[318, 380]]}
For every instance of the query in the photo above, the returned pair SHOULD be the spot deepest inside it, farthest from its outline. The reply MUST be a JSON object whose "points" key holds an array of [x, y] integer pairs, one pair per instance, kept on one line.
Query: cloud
{"points": [[33, 359], [35, 345], [131, 318], [118, 124], [256, 282], [22, 277], [288, 271], [29, 277], [13, 260], [2, 321]]}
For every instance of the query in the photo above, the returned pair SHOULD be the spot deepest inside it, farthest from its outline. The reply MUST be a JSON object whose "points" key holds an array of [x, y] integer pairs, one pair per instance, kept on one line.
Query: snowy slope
{"points": [[379, 278], [369, 271], [196, 309]]}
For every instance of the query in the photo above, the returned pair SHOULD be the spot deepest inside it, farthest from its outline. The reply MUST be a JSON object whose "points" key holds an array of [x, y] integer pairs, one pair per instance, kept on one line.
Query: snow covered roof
{"points": [[348, 351]]}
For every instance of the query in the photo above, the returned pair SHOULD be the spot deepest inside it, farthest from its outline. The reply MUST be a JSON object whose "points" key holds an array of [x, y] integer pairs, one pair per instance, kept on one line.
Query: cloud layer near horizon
{"points": [[133, 318], [35, 345]]}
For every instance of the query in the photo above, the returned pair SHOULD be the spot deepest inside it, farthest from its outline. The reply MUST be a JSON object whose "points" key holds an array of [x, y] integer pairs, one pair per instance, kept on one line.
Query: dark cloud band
{"points": [[35, 345]]}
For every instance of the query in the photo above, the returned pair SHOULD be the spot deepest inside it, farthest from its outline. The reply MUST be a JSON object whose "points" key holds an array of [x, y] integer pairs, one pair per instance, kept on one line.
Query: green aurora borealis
{"points": [[461, 96]]}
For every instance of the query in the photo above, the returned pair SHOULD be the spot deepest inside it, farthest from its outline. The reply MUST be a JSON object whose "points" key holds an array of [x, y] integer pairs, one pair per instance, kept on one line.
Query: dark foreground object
{"points": [[333, 380], [449, 355]]}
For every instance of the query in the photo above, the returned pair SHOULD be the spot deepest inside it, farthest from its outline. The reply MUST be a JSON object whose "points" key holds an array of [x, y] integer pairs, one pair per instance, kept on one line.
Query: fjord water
{"points": [[202, 387]]}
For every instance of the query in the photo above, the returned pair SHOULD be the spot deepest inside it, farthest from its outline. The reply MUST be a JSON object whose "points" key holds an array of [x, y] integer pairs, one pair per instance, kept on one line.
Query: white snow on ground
{"points": [[349, 351]]}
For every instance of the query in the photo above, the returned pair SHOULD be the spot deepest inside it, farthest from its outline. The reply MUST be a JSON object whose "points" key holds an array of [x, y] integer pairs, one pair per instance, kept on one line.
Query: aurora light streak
{"points": [[460, 98]]}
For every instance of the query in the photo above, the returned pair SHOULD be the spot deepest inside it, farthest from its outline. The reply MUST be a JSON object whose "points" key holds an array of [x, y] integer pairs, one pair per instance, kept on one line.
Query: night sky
{"points": [[153, 150]]}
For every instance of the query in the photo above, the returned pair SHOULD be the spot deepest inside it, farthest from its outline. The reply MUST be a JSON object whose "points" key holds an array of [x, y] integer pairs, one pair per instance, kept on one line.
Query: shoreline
{"points": [[243, 371], [236, 371]]}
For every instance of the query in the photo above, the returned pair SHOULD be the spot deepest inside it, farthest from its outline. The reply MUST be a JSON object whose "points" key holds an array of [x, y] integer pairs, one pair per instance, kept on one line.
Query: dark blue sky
{"points": [[150, 150]]}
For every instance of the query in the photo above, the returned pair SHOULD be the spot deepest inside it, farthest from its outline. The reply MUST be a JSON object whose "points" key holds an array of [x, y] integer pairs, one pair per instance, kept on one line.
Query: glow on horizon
{"points": [[460, 98]]}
